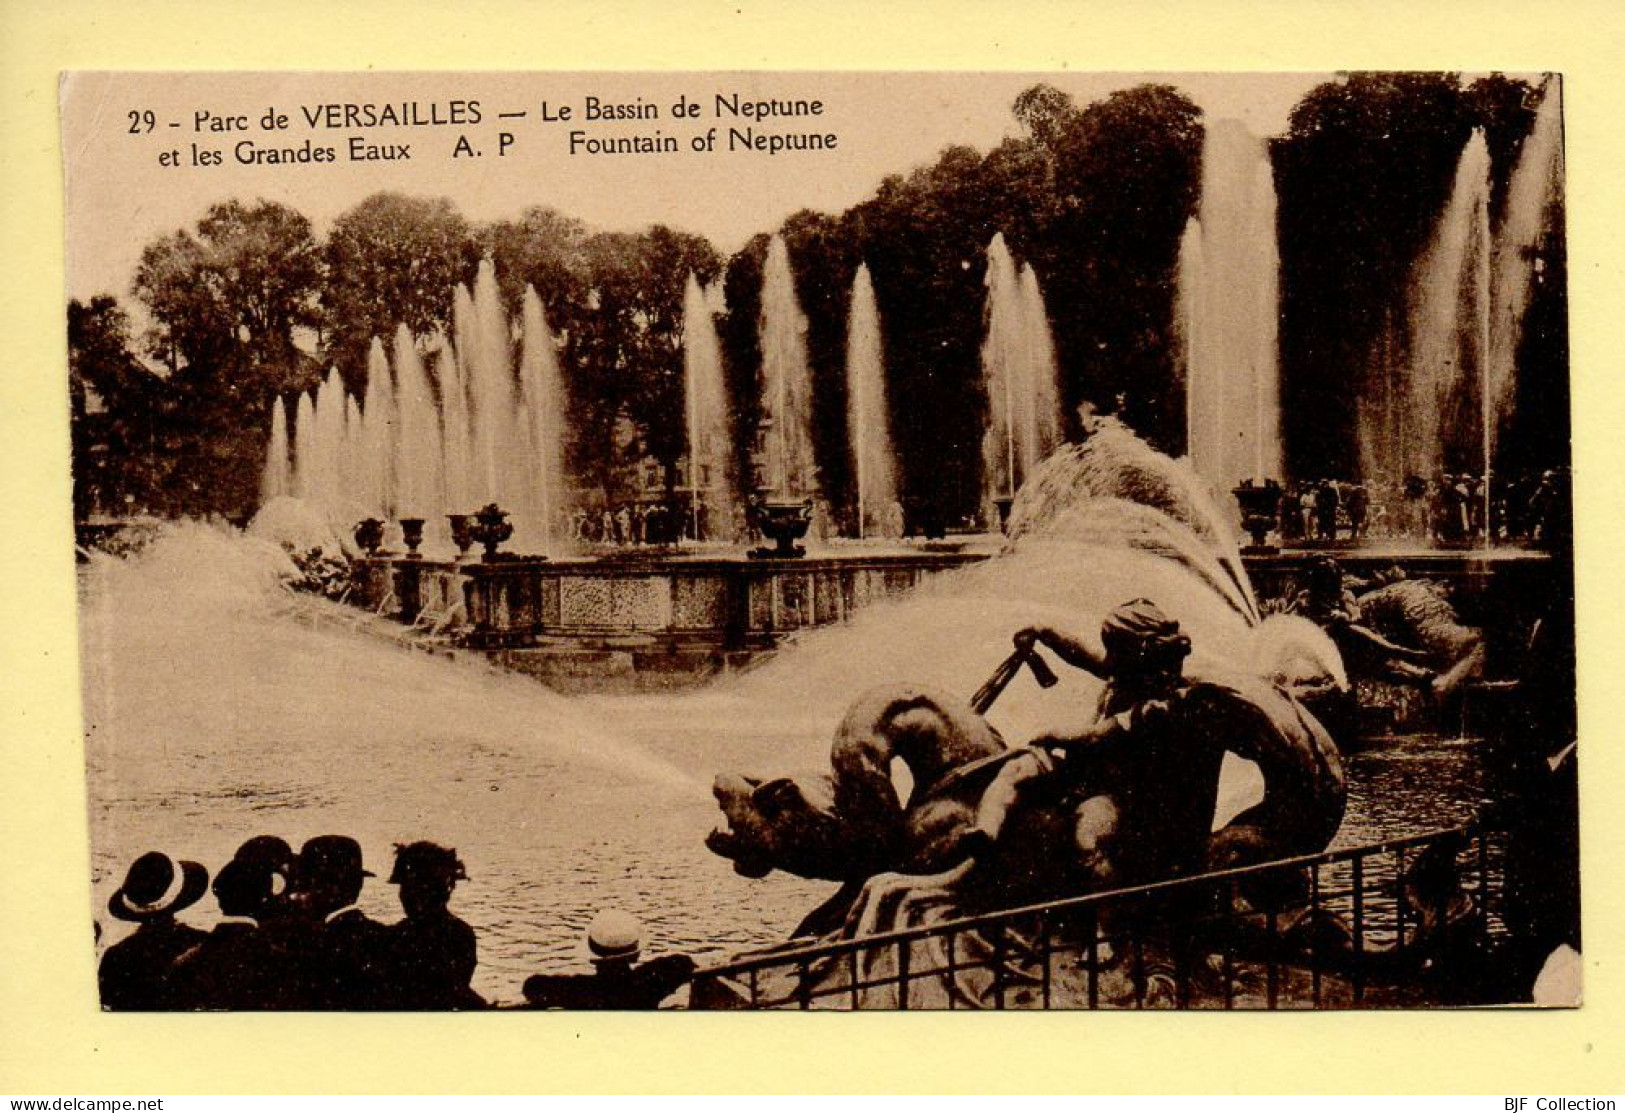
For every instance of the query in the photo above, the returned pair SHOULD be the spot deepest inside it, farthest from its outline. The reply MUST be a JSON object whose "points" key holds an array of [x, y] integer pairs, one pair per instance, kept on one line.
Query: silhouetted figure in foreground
{"points": [[431, 953], [135, 972], [335, 948], [239, 965], [621, 982]]}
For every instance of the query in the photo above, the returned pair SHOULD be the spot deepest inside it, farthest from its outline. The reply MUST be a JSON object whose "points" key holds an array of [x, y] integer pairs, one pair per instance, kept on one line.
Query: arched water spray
{"points": [[706, 413], [868, 418], [1229, 271], [788, 464]]}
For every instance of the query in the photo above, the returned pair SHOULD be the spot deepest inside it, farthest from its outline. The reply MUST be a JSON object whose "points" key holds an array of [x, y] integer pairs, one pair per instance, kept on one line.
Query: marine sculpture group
{"points": [[1130, 799]]}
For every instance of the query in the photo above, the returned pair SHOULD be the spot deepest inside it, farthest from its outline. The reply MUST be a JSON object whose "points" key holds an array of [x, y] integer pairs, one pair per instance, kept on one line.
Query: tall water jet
{"points": [[374, 463], [1018, 373], [485, 351], [705, 398], [1424, 416], [1532, 191], [1042, 368], [1229, 275], [276, 479], [868, 419], [419, 453], [459, 444], [324, 483], [540, 477], [355, 488], [304, 446], [788, 466]]}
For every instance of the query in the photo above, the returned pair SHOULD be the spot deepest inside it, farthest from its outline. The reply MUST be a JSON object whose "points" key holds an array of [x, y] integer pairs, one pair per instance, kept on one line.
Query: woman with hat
{"points": [[431, 953], [135, 972]]}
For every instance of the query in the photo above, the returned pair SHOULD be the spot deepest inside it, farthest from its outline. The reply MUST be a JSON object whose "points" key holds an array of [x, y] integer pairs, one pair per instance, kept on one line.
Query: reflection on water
{"points": [[216, 710]]}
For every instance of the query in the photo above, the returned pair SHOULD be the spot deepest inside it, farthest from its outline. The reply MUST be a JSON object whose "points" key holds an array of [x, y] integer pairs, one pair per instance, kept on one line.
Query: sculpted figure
{"points": [[1132, 798]]}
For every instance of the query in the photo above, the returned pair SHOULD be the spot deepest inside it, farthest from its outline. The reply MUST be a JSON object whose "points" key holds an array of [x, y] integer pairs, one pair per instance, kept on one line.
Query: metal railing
{"points": [[1407, 921]]}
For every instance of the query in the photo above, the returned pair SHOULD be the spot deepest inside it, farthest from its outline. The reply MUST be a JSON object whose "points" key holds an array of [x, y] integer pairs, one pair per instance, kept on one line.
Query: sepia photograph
{"points": [[824, 540]]}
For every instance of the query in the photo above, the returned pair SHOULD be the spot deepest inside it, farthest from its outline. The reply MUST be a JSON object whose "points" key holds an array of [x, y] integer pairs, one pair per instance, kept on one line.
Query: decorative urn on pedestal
{"points": [[412, 535], [369, 534], [784, 521], [460, 533], [491, 528], [1260, 511]]}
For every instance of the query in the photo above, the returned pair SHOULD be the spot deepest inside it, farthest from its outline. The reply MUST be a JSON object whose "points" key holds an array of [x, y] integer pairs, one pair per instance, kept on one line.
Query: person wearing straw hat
{"points": [[135, 972], [615, 939]]}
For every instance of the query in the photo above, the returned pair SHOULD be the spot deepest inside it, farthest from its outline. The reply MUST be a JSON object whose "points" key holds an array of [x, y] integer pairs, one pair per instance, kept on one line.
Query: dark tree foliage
{"points": [[120, 410], [227, 307], [1361, 177], [391, 260], [823, 260], [1126, 173], [742, 347]]}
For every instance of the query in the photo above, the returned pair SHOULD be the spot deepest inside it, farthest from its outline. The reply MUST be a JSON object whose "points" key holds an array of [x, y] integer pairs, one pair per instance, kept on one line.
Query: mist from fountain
{"points": [[705, 396], [789, 466], [1229, 276], [868, 418], [1018, 375]]}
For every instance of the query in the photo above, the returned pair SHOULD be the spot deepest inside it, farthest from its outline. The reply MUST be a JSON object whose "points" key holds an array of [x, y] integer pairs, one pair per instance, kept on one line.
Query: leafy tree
{"points": [[228, 308], [119, 408], [391, 260]]}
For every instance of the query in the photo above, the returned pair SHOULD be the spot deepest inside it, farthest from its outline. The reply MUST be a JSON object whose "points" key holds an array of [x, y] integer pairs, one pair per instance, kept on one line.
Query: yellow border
{"points": [[51, 1038]]}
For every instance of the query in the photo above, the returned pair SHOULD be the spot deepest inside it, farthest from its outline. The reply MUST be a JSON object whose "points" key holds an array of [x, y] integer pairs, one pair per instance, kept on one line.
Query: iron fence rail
{"points": [[1321, 930]]}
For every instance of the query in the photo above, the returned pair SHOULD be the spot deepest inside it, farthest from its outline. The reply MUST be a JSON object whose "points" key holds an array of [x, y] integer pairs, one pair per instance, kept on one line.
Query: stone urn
{"points": [[1260, 511], [461, 524], [1004, 503], [491, 528], [369, 534], [784, 521], [412, 534]]}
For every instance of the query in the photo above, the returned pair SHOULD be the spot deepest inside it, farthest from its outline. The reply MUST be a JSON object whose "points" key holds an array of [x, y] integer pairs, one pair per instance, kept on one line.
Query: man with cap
{"points": [[431, 953], [336, 948], [620, 981], [135, 973]]}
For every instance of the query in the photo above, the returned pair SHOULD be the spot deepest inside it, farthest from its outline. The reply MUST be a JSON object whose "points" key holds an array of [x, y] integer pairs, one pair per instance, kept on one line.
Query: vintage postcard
{"points": [[836, 541]]}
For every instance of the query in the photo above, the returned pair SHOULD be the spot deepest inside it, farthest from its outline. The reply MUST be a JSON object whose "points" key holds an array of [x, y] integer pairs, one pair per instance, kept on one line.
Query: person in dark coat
{"points": [[238, 965], [432, 953], [619, 981], [135, 973], [337, 950]]}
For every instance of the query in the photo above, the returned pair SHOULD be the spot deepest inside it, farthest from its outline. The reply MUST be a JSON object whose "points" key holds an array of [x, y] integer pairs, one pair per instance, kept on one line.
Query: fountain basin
{"points": [[662, 622]]}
